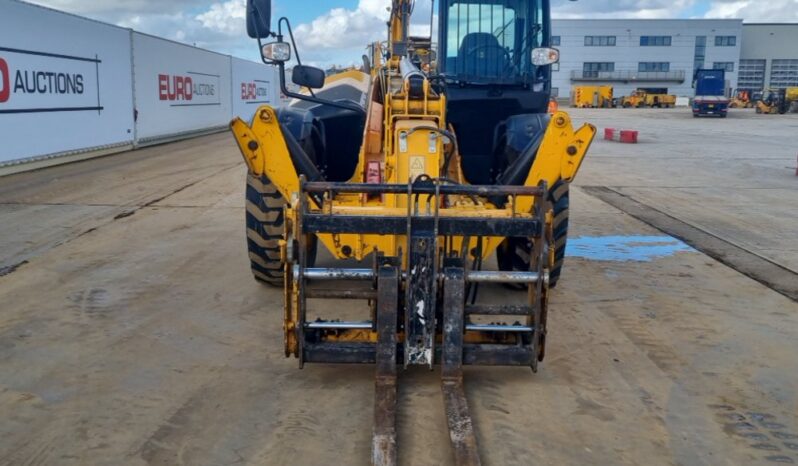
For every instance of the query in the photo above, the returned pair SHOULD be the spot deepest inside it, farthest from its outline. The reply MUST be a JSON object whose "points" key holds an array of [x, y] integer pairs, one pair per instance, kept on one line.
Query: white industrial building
{"points": [[660, 55], [769, 56]]}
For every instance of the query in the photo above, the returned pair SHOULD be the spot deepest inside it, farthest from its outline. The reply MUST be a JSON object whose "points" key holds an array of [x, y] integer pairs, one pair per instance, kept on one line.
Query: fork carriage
{"points": [[431, 277]]}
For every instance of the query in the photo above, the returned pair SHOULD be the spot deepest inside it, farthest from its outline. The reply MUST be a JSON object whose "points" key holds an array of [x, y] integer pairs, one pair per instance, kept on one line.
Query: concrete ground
{"points": [[131, 331]]}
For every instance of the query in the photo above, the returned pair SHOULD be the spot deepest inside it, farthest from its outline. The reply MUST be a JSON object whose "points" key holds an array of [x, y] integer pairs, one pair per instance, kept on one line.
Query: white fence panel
{"points": [[254, 84], [65, 83], [178, 89]]}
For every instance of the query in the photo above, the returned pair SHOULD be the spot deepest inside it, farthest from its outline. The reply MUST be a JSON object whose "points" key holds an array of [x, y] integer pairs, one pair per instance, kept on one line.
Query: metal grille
{"points": [[783, 73], [752, 74]]}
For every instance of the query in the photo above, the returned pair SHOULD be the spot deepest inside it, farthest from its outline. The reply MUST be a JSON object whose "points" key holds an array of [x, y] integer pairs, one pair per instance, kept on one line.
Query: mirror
{"points": [[259, 18], [308, 76]]}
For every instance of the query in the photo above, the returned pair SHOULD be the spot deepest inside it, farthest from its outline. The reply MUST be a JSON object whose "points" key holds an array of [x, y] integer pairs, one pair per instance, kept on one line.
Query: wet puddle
{"points": [[634, 248]]}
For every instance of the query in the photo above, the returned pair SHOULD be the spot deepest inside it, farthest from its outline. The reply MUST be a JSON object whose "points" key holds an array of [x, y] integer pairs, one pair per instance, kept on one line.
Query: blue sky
{"points": [[336, 31]]}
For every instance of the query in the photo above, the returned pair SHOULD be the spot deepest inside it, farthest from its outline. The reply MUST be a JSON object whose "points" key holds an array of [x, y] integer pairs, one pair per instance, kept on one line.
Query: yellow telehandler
{"points": [[423, 174]]}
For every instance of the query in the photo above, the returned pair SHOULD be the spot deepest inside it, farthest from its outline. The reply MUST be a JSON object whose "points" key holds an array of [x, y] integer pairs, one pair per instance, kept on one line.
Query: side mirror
{"points": [[308, 76], [259, 18]]}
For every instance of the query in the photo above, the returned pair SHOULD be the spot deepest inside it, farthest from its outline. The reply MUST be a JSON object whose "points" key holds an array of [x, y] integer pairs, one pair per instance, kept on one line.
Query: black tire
{"points": [[265, 218], [560, 200], [513, 254]]}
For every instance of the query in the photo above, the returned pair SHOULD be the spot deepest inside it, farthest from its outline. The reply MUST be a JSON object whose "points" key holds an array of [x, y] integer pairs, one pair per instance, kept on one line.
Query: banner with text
{"points": [[60, 95], [254, 84], [178, 88]]}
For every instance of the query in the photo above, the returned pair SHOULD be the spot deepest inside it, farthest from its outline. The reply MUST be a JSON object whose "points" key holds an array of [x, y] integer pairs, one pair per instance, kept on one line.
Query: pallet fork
{"points": [[417, 297]]}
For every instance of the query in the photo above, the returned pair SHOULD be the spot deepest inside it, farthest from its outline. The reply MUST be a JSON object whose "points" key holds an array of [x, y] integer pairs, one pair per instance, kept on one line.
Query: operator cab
{"points": [[491, 41], [487, 61]]}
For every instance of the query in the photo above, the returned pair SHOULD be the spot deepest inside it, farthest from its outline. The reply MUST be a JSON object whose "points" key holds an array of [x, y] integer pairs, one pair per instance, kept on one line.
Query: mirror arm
{"points": [[293, 42], [295, 95], [307, 98]]}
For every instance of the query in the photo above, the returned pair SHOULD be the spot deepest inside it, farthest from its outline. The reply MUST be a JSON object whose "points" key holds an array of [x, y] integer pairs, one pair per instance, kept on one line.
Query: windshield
{"points": [[491, 41]]}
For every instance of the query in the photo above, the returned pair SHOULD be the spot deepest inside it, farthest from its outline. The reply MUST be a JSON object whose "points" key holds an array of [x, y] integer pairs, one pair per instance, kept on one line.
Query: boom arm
{"points": [[400, 25]]}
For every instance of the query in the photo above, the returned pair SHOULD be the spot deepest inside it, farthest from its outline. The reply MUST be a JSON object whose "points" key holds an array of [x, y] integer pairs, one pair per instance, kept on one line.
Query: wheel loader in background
{"points": [[422, 176]]}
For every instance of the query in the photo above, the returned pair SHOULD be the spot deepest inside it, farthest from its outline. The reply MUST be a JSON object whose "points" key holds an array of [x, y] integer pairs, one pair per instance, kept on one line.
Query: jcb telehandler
{"points": [[427, 174]]}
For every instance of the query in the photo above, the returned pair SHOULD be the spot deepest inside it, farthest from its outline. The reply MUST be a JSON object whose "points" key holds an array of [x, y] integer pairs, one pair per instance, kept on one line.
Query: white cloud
{"points": [[346, 28], [612, 9], [340, 36], [228, 17], [755, 10]]}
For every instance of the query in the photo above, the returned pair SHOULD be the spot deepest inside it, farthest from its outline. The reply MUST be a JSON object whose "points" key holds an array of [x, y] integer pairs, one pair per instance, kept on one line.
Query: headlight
{"points": [[276, 51], [545, 56]]}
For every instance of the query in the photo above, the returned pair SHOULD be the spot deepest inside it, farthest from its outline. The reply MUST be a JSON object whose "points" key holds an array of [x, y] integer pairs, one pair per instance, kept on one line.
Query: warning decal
{"points": [[417, 166]]}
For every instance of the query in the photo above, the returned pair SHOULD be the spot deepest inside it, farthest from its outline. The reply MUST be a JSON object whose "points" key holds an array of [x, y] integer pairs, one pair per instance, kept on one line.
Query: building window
{"points": [[723, 65], [555, 41], [751, 75], [700, 52], [555, 66], [592, 69], [652, 41], [555, 92], [653, 66], [783, 73], [725, 41], [600, 41]]}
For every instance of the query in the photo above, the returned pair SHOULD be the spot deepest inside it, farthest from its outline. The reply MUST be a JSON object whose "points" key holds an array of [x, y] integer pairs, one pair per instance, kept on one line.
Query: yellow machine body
{"points": [[408, 206], [639, 99], [591, 96], [559, 158]]}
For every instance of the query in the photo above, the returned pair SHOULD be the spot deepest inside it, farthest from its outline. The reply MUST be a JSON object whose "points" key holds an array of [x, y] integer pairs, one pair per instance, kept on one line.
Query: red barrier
{"points": [[625, 135], [629, 137]]}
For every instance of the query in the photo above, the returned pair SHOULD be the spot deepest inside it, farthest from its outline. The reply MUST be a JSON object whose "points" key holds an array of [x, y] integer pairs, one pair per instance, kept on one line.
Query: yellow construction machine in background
{"points": [[591, 96], [641, 98], [778, 101], [741, 99]]}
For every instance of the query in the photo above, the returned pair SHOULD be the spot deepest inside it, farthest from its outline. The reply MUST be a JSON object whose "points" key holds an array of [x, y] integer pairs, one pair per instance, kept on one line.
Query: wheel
{"points": [[265, 212], [265, 218], [513, 254]]}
